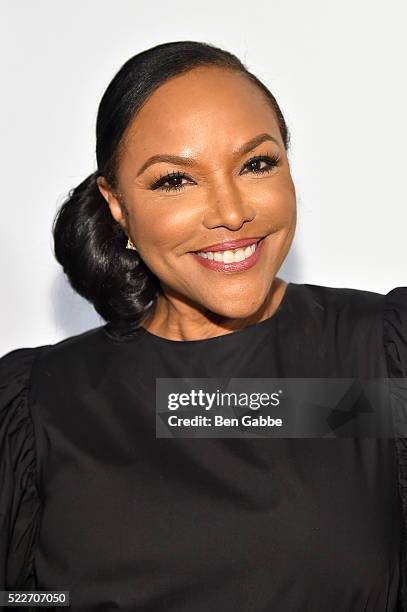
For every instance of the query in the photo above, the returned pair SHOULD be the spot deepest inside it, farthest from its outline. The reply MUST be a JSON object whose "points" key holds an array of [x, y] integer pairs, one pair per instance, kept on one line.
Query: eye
{"points": [[171, 182], [262, 164]]}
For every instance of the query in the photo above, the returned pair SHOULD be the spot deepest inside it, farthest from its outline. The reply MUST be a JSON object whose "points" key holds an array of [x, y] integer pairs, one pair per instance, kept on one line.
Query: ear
{"points": [[113, 201]]}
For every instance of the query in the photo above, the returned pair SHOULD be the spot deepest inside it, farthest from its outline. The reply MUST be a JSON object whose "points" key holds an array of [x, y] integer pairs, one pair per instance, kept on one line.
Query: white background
{"points": [[337, 70]]}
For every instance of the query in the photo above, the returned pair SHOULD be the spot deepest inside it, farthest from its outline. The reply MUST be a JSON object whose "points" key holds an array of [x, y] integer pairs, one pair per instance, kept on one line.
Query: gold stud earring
{"points": [[130, 245]]}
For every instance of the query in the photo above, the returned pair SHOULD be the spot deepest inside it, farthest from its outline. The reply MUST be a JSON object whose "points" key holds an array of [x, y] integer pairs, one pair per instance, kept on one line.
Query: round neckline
{"points": [[221, 338]]}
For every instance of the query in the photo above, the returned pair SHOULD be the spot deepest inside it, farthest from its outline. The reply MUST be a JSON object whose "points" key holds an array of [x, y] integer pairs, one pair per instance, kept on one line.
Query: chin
{"points": [[237, 310]]}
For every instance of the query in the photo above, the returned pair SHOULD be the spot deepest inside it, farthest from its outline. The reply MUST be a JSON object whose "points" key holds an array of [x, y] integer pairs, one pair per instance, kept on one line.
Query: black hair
{"points": [[88, 242]]}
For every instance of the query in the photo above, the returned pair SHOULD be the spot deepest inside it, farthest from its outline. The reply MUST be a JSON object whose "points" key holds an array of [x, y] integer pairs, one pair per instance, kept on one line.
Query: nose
{"points": [[226, 207]]}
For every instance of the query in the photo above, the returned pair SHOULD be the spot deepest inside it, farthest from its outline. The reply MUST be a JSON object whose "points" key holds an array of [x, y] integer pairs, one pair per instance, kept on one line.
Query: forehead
{"points": [[203, 107]]}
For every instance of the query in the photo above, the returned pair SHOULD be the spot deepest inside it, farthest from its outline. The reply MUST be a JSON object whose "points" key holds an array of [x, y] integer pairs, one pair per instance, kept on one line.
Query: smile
{"points": [[231, 260], [230, 256]]}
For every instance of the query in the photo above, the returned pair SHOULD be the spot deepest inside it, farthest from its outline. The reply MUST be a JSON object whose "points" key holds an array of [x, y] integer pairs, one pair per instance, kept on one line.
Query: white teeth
{"points": [[239, 254], [229, 256], [248, 251]]}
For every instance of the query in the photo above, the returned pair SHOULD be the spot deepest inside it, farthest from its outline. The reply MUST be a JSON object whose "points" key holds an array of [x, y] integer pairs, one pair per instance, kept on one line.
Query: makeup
{"points": [[228, 261]]}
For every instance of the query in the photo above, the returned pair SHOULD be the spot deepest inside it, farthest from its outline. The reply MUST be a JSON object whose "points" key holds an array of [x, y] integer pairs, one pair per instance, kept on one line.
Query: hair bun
{"points": [[90, 246]]}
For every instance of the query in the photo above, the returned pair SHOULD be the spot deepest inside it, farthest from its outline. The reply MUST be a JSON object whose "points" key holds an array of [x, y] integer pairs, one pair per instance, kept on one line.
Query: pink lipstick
{"points": [[248, 251]]}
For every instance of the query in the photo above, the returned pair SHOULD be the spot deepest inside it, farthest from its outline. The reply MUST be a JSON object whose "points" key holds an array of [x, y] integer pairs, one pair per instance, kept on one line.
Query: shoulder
{"points": [[17, 366], [339, 309], [345, 300], [356, 305], [367, 326]]}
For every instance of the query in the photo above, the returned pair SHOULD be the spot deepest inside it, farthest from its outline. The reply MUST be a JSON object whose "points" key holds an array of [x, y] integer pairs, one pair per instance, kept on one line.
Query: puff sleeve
{"points": [[19, 500], [395, 347]]}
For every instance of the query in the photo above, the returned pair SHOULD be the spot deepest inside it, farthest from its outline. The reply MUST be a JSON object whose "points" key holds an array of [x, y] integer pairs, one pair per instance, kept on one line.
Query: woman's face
{"points": [[212, 122]]}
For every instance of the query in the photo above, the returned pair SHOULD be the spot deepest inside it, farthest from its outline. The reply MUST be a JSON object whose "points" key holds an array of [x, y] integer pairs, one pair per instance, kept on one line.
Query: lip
{"points": [[229, 245], [237, 266]]}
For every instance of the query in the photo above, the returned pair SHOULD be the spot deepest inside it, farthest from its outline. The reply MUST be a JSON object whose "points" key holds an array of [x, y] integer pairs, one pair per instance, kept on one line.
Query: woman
{"points": [[177, 240]]}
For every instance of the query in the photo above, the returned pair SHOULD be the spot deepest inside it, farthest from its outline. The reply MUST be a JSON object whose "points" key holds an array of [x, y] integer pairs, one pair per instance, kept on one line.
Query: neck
{"points": [[174, 320]]}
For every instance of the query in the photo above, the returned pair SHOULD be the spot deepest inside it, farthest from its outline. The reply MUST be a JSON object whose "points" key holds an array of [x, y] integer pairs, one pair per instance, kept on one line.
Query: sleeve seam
{"points": [[401, 489], [43, 350]]}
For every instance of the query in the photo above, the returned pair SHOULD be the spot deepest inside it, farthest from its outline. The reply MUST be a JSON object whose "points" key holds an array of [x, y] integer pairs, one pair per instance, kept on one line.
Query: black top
{"points": [[92, 502]]}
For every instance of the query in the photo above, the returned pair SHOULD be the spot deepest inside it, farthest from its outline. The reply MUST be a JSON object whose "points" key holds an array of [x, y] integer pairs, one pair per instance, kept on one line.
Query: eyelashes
{"points": [[163, 183]]}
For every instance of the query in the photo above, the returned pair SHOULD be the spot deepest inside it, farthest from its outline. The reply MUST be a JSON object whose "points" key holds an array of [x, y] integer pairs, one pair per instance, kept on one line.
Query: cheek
{"points": [[276, 205], [164, 224]]}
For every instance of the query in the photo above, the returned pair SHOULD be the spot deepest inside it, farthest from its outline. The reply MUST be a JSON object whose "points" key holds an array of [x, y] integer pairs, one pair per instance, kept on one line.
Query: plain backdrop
{"points": [[337, 70]]}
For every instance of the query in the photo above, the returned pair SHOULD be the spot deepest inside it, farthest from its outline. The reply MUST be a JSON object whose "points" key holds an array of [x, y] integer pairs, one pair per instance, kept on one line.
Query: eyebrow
{"points": [[190, 161]]}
